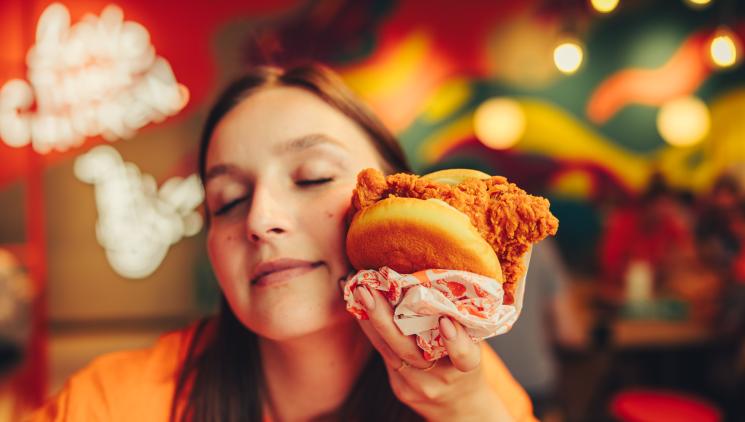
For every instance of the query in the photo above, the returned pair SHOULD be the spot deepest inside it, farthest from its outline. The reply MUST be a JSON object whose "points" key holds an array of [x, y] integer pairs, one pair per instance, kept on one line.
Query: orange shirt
{"points": [[139, 385]]}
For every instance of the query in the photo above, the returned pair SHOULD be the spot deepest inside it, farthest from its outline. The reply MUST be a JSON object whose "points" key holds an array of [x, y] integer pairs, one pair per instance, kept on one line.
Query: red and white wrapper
{"points": [[421, 298]]}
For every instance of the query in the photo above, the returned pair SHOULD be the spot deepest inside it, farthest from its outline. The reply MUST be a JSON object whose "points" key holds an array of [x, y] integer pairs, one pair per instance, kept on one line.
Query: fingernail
{"points": [[368, 301], [447, 328]]}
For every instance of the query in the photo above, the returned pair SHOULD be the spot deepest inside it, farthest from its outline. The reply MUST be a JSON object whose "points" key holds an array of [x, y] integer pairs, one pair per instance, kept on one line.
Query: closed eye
{"points": [[311, 182], [227, 207]]}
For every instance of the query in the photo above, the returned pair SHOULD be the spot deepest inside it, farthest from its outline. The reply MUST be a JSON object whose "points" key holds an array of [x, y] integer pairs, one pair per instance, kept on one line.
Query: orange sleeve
{"points": [[82, 398], [139, 385], [514, 397], [122, 386]]}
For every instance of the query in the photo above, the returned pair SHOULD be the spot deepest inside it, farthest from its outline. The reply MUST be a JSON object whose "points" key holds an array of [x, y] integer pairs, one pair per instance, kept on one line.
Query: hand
{"points": [[451, 388]]}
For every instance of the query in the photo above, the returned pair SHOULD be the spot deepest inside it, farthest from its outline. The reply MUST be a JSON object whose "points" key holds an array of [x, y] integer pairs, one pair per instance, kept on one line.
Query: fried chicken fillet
{"points": [[506, 216]]}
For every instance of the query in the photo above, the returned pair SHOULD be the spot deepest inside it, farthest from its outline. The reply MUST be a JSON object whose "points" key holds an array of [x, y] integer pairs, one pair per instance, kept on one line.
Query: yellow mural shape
{"points": [[551, 131], [698, 166], [575, 183], [554, 132], [398, 82], [451, 97], [388, 74]]}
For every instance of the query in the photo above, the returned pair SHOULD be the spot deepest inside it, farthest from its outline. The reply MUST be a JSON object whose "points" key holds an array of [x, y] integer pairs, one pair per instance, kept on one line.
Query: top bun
{"points": [[409, 235], [455, 176]]}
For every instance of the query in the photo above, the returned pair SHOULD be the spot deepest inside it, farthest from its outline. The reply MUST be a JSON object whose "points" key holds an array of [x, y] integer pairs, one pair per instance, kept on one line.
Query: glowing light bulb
{"points": [[724, 48], [499, 123], [683, 121], [698, 4], [568, 56], [604, 6]]}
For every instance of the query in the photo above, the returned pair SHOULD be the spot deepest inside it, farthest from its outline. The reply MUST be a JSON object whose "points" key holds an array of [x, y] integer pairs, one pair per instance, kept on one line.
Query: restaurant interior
{"points": [[628, 115]]}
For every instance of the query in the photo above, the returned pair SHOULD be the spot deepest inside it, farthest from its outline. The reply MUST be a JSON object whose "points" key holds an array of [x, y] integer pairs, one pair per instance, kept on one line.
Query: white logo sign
{"points": [[137, 222], [100, 76]]}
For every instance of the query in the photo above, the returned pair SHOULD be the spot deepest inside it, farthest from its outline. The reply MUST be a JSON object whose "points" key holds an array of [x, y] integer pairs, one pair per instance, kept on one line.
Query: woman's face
{"points": [[280, 171]]}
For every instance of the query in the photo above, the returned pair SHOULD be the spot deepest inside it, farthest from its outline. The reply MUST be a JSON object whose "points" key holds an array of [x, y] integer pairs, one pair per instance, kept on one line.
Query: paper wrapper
{"points": [[421, 298]]}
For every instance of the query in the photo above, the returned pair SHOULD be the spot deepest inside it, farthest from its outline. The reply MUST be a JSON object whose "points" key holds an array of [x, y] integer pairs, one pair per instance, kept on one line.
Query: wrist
{"points": [[481, 405]]}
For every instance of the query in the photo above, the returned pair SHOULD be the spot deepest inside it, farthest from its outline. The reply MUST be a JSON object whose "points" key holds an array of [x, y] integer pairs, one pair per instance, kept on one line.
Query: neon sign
{"points": [[137, 221], [99, 76]]}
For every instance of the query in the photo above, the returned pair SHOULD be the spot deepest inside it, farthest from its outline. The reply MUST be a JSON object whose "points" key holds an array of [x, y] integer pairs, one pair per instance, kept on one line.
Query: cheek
{"points": [[223, 252], [328, 227]]}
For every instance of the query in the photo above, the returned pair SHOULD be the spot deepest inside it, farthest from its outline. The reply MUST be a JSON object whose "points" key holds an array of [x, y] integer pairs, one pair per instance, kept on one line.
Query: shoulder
{"points": [[127, 385], [152, 364]]}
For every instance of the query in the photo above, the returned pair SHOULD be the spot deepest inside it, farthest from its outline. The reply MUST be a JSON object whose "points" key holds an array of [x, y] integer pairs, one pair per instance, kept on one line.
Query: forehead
{"points": [[273, 116]]}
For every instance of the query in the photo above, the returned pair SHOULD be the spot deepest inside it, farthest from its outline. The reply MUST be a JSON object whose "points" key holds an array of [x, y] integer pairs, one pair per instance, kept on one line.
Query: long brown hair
{"points": [[222, 377]]}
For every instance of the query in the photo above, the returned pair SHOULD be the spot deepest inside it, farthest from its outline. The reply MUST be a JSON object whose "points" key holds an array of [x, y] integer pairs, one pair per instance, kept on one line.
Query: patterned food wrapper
{"points": [[421, 298]]}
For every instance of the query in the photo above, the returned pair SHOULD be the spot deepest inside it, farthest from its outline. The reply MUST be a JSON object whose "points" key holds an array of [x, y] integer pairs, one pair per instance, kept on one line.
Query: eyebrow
{"points": [[307, 141], [219, 170], [293, 145]]}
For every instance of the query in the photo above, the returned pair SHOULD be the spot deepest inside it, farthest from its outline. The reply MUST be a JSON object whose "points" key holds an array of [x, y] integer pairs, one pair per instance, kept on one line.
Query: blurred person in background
{"points": [[16, 295], [548, 318], [724, 242], [720, 242], [279, 157], [733, 317], [738, 229], [733, 312], [716, 236], [656, 229]]}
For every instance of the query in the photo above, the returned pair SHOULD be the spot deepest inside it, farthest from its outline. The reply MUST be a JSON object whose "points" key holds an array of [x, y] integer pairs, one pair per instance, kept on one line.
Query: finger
{"points": [[343, 280], [380, 315], [462, 351], [389, 356]]}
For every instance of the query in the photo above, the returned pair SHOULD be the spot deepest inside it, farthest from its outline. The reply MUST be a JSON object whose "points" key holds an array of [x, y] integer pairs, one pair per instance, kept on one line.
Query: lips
{"points": [[281, 266]]}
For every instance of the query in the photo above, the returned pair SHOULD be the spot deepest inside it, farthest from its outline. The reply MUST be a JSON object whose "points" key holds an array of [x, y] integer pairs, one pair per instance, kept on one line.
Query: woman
{"points": [[279, 157]]}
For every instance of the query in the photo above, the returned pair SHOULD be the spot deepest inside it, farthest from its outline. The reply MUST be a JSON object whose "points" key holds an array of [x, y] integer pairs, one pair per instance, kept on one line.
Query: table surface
{"points": [[657, 333]]}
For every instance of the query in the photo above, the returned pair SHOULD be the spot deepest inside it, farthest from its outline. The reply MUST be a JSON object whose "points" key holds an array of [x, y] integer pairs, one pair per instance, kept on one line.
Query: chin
{"points": [[295, 316], [298, 325]]}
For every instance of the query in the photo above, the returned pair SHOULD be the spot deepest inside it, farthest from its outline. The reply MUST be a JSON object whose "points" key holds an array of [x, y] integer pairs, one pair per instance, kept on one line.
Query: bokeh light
{"points": [[568, 56], [698, 3], [499, 123], [684, 121], [725, 48], [604, 6]]}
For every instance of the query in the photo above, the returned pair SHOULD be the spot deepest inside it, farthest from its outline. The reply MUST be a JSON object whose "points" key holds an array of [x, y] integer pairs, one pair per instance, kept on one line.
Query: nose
{"points": [[268, 217]]}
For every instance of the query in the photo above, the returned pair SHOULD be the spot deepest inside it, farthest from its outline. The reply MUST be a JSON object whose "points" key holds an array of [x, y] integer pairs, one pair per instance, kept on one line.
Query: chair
{"points": [[648, 405]]}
